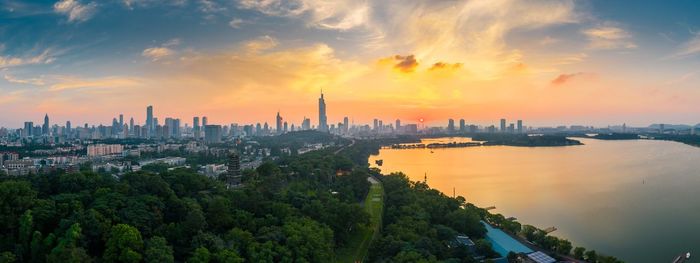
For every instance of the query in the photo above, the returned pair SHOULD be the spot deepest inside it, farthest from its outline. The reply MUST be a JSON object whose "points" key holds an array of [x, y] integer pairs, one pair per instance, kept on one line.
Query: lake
{"points": [[638, 200]]}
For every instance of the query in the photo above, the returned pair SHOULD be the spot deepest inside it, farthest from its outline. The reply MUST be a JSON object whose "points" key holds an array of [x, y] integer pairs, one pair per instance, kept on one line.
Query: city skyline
{"points": [[568, 62]]}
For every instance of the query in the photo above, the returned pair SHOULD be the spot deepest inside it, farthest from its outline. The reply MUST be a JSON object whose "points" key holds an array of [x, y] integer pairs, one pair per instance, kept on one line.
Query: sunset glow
{"points": [[550, 62]]}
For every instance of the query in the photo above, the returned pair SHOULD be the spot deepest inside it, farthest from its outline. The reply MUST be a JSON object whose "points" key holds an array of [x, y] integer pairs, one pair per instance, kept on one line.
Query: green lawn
{"points": [[357, 247]]}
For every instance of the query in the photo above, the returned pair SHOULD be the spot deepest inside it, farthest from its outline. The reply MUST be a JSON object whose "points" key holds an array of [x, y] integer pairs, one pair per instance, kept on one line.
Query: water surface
{"points": [[637, 200]]}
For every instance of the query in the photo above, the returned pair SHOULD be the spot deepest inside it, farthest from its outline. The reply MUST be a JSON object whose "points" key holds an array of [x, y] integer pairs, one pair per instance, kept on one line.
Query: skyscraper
{"points": [[451, 125], [121, 120], [131, 125], [346, 124], [68, 129], [28, 129], [322, 118], [204, 121], [278, 124], [503, 125], [462, 125], [212, 133], [150, 126], [520, 126], [195, 128], [45, 127]]}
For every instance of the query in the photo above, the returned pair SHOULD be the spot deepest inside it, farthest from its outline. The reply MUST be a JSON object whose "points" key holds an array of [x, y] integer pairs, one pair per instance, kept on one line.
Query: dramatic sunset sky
{"points": [[546, 62]]}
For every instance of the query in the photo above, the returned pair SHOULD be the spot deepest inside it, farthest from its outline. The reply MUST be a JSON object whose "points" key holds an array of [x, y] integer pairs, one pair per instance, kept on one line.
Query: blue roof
{"points": [[503, 243]]}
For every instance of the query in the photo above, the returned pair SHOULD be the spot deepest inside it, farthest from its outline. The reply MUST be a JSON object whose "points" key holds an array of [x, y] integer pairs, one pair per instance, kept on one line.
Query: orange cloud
{"points": [[406, 64], [563, 78], [443, 65]]}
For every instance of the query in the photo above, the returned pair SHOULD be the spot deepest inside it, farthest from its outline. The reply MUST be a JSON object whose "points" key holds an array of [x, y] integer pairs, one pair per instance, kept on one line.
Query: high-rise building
{"points": [[462, 125], [278, 123], [212, 133], [131, 125], [196, 128], [375, 125], [451, 125], [285, 127], [322, 118], [28, 130], [398, 124], [150, 125], [520, 126], [68, 129], [346, 125], [306, 124], [121, 120], [205, 121], [503, 125], [45, 127]]}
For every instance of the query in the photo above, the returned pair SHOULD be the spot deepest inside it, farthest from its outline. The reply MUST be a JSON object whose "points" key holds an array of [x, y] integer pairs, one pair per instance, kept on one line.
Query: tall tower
{"points": [[232, 177], [195, 127], [322, 119], [149, 120], [278, 124], [503, 125], [45, 127]]}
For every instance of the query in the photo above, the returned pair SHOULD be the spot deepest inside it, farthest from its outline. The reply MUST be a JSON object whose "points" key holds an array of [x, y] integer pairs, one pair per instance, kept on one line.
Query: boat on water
{"points": [[682, 258], [379, 162]]}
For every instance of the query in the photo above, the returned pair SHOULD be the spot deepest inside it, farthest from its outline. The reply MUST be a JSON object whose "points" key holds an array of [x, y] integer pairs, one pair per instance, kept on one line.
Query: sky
{"points": [[241, 61]]}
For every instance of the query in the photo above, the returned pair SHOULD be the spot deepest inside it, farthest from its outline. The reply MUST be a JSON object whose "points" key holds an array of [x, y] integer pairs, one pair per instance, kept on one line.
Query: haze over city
{"points": [[565, 62]]}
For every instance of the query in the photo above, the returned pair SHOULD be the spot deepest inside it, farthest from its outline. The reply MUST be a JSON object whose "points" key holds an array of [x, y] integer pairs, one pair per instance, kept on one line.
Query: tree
{"points": [[564, 247], [157, 250], [308, 239], [228, 256], [26, 226], [591, 256], [578, 252], [201, 255], [124, 244], [67, 249], [15, 198], [7, 257]]}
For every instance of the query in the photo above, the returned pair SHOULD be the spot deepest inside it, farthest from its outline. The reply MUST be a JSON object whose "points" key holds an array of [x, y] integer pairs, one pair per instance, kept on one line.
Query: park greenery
{"points": [[299, 208]]}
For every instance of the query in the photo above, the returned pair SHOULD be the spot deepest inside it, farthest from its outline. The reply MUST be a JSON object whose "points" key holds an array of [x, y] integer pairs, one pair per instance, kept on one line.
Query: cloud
{"points": [[443, 65], [340, 15], [43, 58], [162, 51], [75, 11], [406, 64], [156, 53], [208, 6], [30, 81], [65, 83], [563, 78], [609, 37], [260, 44], [236, 23], [689, 48], [432, 31]]}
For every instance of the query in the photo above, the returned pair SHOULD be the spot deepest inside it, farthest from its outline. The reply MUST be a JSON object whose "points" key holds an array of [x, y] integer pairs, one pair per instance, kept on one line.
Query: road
{"points": [[346, 146]]}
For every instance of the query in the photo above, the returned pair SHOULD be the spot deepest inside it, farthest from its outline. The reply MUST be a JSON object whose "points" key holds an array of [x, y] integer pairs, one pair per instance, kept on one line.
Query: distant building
{"points": [[503, 125], [520, 126], [212, 133], [278, 123], [462, 125], [450, 125], [96, 150], [322, 118], [45, 127]]}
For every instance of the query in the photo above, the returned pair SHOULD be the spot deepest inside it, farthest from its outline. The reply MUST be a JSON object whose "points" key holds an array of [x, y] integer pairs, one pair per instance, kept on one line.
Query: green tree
{"points": [[157, 250], [578, 252], [67, 249], [201, 255], [124, 244], [7, 257], [228, 256], [564, 247], [591, 256]]}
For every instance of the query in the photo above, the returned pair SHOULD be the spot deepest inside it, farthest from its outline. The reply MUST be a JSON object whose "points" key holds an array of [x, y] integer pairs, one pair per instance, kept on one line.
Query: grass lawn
{"points": [[357, 247]]}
